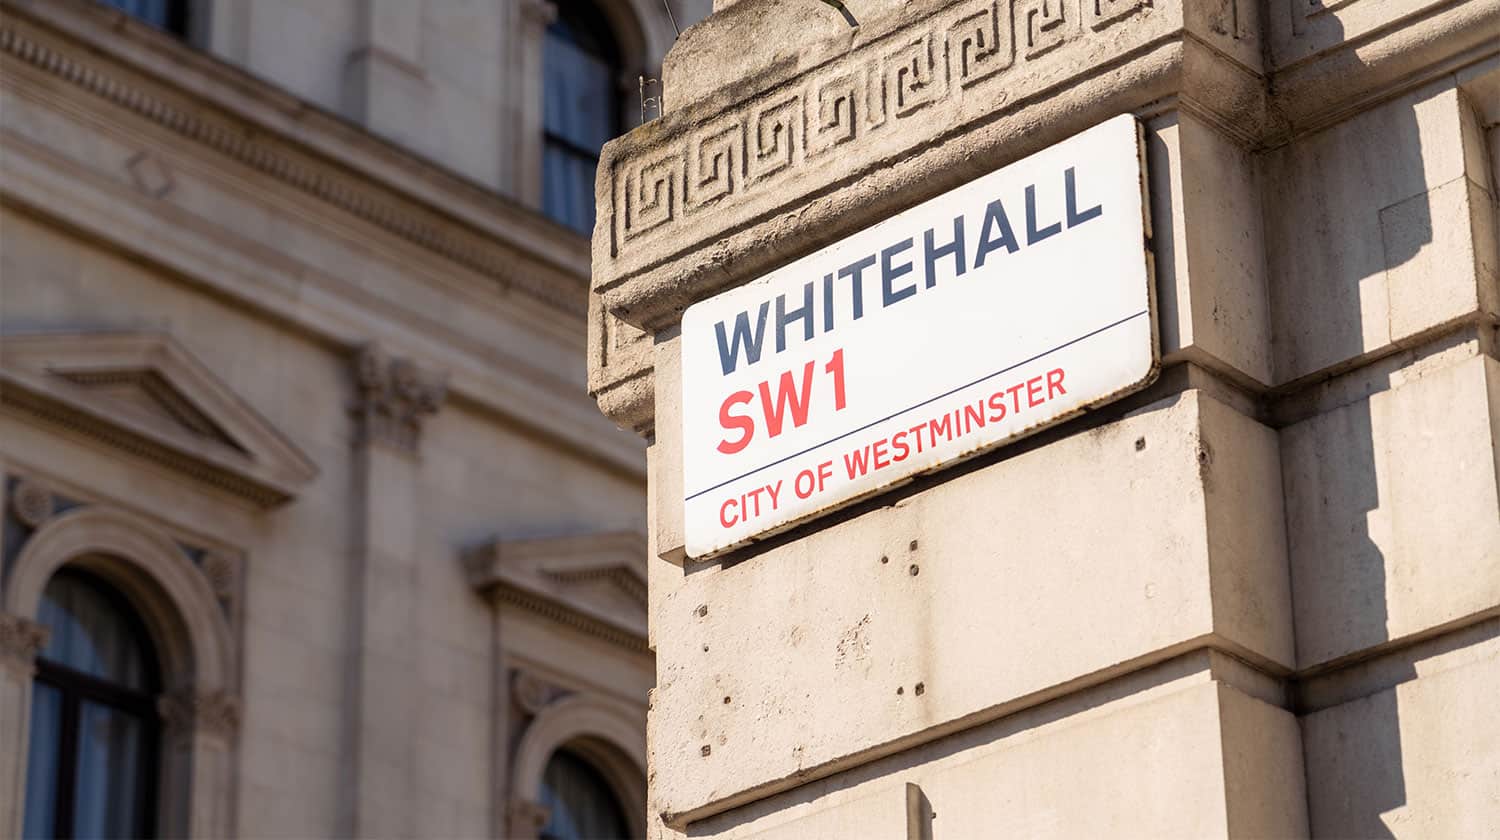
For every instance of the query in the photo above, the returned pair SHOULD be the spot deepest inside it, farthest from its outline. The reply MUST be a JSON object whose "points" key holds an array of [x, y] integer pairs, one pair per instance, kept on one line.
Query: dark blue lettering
{"points": [[995, 222], [1076, 218], [889, 272], [803, 314], [857, 284], [954, 248], [729, 351], [1033, 234]]}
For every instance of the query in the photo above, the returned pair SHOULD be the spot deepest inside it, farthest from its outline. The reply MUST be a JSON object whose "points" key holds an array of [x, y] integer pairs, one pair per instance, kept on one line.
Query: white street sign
{"points": [[1008, 304]]}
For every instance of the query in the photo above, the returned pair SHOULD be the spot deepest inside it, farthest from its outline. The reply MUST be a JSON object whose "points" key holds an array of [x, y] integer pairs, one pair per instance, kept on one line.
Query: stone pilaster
{"points": [[394, 396], [532, 18], [20, 641]]}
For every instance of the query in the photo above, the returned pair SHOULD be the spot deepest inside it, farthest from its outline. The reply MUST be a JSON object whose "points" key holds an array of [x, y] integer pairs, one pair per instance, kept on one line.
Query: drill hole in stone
{"points": [[920, 689], [914, 570]]}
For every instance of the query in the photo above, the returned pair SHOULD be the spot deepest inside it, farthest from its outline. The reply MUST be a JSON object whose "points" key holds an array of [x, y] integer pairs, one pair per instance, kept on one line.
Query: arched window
{"points": [[91, 771], [581, 803], [167, 15], [580, 110]]}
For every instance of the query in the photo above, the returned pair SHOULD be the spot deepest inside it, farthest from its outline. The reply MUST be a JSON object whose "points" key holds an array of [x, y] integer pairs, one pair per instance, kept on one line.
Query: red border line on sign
{"points": [[928, 401]]}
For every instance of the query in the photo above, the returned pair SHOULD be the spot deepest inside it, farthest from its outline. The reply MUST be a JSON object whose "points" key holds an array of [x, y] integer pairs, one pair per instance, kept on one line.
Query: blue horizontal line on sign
{"points": [[928, 401]]}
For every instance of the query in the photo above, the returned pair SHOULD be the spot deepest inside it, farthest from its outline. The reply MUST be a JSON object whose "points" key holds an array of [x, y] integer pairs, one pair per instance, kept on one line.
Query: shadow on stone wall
{"points": [[1352, 751]]}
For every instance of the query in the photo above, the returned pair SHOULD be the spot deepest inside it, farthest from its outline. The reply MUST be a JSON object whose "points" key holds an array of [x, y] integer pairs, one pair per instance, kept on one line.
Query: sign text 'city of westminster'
{"points": [[1010, 303]]}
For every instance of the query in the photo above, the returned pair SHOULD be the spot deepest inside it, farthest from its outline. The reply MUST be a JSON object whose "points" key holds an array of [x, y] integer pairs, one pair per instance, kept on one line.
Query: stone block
{"points": [[1374, 556], [1128, 542], [1208, 245], [1420, 758], [1370, 231], [1190, 758]]}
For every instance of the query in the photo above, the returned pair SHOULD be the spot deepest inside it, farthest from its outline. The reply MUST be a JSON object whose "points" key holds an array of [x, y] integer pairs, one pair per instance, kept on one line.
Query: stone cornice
{"points": [[702, 199], [810, 144], [559, 578], [206, 102]]}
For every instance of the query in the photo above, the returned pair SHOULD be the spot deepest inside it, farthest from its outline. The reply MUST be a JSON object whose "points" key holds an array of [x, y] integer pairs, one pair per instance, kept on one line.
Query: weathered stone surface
{"points": [[879, 618], [1420, 758], [699, 199], [1178, 755], [1371, 233], [1373, 559]]}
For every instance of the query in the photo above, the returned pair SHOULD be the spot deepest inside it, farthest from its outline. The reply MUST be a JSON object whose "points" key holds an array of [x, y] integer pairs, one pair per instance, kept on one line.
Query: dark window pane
{"points": [[109, 774], [568, 184], [579, 105], [580, 109], [170, 15], [582, 805], [90, 632], [41, 765]]}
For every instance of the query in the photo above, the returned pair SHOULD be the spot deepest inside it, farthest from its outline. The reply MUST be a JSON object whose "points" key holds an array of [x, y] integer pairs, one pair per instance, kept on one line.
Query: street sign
{"points": [[1008, 304]]}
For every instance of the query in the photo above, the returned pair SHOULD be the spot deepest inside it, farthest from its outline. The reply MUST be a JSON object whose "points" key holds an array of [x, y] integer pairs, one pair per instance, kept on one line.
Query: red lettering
{"points": [[1015, 395], [945, 427], [898, 443], [857, 462], [881, 461], [997, 405], [727, 521], [729, 421], [973, 416], [835, 366], [1055, 382], [916, 433], [1034, 391], [785, 394]]}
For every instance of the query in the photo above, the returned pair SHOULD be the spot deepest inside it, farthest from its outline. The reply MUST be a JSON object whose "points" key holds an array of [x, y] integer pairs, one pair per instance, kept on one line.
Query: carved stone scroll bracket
{"points": [[21, 639], [394, 397], [187, 712]]}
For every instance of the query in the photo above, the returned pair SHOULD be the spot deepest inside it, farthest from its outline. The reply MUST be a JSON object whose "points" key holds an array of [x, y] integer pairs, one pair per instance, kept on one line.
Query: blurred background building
{"points": [[310, 526]]}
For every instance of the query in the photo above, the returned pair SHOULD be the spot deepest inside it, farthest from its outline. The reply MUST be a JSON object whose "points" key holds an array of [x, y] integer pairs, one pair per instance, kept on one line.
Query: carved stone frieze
{"points": [[394, 396], [188, 711], [291, 165], [32, 503], [21, 639]]}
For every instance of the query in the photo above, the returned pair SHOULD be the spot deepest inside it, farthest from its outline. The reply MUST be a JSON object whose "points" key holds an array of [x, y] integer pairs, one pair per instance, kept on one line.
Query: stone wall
{"points": [[1249, 601]]}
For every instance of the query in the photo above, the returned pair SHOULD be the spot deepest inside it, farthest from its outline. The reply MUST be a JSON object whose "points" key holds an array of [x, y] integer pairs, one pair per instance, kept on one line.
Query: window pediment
{"points": [[596, 583], [145, 394]]}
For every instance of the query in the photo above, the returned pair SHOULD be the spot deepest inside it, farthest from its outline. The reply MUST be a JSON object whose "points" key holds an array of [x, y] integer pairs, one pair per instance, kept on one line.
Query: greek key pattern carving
{"points": [[968, 47]]}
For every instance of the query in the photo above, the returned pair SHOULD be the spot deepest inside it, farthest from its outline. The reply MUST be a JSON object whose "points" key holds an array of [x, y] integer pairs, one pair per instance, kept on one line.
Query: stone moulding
{"points": [[817, 142], [717, 181], [145, 395], [272, 158], [595, 584]]}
